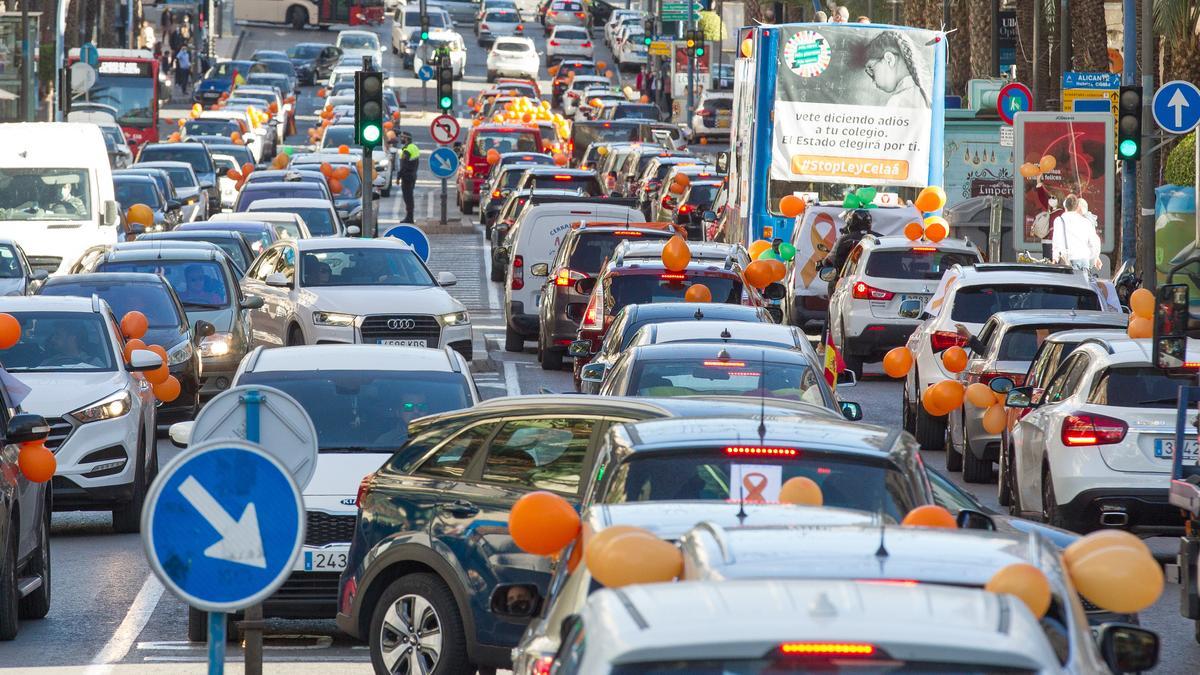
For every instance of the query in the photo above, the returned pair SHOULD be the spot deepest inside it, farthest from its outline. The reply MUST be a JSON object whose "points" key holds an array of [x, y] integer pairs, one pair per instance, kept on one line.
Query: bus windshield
{"points": [[131, 95]]}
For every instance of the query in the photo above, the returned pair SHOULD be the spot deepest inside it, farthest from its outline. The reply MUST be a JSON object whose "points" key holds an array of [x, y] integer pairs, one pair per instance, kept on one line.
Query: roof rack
{"points": [[252, 358], [95, 302], [718, 534]]}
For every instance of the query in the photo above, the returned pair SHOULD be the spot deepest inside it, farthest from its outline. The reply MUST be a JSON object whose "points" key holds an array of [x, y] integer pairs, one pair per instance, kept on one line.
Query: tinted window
{"points": [[546, 454], [639, 111], [702, 194], [642, 289], [591, 249], [181, 177], [975, 304], [198, 284], [319, 221], [512, 47], [700, 377], [229, 246], [1137, 387], [130, 192], [1021, 343], [588, 185], [570, 34], [502, 16], [52, 341], [363, 267], [210, 127], [196, 156], [153, 301], [914, 264], [453, 458], [505, 141]]}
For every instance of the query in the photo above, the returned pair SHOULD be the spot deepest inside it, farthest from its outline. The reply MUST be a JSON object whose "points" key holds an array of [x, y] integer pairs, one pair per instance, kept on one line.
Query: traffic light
{"points": [[445, 85], [368, 108], [695, 43], [648, 28], [1129, 124], [646, 39], [424, 26]]}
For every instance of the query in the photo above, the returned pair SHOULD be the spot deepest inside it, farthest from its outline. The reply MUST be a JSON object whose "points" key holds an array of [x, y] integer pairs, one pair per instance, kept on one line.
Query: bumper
{"points": [[515, 70], [1145, 510], [457, 338], [207, 97], [96, 464], [305, 595], [562, 328], [218, 375], [518, 320], [981, 444], [809, 311], [875, 339]]}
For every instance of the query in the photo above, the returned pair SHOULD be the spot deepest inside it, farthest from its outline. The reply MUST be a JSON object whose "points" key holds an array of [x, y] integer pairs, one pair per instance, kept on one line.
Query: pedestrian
{"points": [[1043, 222], [1075, 241], [146, 38], [610, 183], [183, 68], [820, 17], [410, 159], [841, 15], [864, 19]]}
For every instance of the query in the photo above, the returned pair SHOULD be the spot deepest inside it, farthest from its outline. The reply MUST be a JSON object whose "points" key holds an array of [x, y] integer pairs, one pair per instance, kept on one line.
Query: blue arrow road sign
{"points": [[425, 73], [1177, 107], [223, 525], [412, 236], [443, 162]]}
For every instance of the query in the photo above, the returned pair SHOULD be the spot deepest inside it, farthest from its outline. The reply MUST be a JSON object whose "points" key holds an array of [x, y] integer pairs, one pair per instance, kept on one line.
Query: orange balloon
{"points": [[168, 390], [134, 324], [955, 359], [676, 188], [388, 125], [913, 231], [343, 149], [1101, 539], [576, 555], [281, 161], [321, 92], [36, 462], [931, 199], [801, 490], [747, 47], [791, 206], [1141, 302], [980, 395], [159, 374], [698, 293], [326, 169], [947, 394], [560, 159], [542, 523], [1118, 578], [634, 558], [1140, 327], [1029, 170], [1047, 163], [897, 362], [933, 405], [995, 419], [676, 255], [493, 156], [758, 247], [758, 274], [682, 179], [936, 228], [140, 214], [174, 138], [929, 515], [644, 99], [341, 173], [132, 345], [10, 331], [247, 169], [1024, 582], [778, 269], [232, 174], [600, 65], [335, 186]]}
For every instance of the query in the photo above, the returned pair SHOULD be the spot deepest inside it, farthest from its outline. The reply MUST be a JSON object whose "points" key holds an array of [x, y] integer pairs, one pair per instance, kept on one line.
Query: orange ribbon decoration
{"points": [[755, 487]]}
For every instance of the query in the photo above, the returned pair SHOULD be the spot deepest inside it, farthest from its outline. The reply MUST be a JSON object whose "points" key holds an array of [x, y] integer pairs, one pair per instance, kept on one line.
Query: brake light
{"points": [[587, 45], [758, 451], [518, 274], [554, 43], [520, 28], [496, 194], [560, 177], [593, 319], [542, 664], [362, 489], [826, 649], [862, 291], [685, 209], [704, 113], [672, 276], [581, 15], [1091, 429], [627, 233], [719, 363], [924, 249], [943, 340], [483, 26], [551, 13], [566, 277], [668, 203]]}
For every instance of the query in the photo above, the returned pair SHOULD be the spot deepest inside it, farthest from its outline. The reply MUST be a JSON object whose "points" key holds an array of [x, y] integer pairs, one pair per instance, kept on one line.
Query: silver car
{"points": [[567, 13]]}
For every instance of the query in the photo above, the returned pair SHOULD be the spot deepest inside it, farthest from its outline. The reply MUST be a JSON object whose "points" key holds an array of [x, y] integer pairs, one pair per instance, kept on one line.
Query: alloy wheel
{"points": [[411, 636]]}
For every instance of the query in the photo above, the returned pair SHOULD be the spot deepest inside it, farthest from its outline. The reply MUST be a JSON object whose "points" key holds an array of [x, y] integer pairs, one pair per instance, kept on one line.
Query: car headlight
{"points": [[107, 408], [333, 319], [455, 318], [180, 353], [217, 344]]}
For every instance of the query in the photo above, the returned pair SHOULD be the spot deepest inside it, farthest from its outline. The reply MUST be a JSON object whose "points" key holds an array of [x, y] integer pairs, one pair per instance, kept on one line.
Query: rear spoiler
{"points": [[615, 201]]}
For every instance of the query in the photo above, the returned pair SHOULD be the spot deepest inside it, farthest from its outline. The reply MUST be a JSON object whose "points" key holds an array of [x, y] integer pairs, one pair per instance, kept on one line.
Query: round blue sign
{"points": [[443, 162], [1013, 98], [425, 73], [1176, 107], [412, 236]]}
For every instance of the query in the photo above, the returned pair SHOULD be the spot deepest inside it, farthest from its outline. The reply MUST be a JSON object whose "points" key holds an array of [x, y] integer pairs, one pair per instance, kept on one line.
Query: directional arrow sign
{"points": [[425, 73], [443, 162], [223, 525], [1177, 107]]}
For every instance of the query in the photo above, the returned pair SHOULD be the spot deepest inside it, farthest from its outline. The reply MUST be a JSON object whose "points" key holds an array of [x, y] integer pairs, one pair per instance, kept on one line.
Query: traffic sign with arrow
{"points": [[443, 162], [425, 73], [1176, 107], [444, 129]]}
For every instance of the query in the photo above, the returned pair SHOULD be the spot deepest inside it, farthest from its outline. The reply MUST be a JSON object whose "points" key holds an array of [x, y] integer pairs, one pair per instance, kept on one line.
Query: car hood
{"points": [[222, 319], [214, 84], [339, 473], [12, 286], [163, 337], [381, 300], [55, 394]]}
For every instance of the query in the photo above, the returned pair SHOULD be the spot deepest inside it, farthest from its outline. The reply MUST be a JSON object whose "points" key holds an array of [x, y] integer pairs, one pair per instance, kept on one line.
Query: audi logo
{"points": [[402, 324]]}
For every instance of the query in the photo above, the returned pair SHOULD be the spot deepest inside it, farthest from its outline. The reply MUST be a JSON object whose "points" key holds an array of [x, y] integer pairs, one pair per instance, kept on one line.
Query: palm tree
{"points": [[1176, 22], [1089, 36]]}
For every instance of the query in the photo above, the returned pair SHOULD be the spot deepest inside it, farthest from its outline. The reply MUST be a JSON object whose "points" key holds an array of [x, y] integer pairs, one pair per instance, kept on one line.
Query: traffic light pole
{"points": [[1129, 168], [691, 93], [1146, 253], [368, 181]]}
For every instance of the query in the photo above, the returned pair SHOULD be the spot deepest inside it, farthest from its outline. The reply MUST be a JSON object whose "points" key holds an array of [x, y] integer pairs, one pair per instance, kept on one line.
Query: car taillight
{"points": [[554, 43], [573, 94], [520, 28], [704, 113], [943, 340], [542, 664], [551, 13], [483, 26], [362, 489], [586, 45], [593, 317], [668, 203], [496, 194], [581, 15], [518, 276], [759, 451], [1091, 429], [673, 276], [685, 209], [627, 233], [862, 291], [827, 649], [567, 277]]}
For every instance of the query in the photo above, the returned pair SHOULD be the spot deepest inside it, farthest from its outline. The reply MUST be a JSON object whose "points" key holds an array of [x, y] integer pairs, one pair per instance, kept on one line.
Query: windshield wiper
{"points": [[200, 305], [358, 448]]}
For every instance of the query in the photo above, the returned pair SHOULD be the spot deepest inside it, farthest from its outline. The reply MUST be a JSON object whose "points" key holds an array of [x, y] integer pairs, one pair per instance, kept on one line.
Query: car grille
{"points": [[60, 431], [309, 586], [325, 529], [424, 327]]}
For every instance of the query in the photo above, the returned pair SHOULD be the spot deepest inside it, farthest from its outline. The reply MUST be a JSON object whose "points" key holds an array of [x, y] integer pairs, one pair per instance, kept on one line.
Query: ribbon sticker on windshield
{"points": [[755, 482]]}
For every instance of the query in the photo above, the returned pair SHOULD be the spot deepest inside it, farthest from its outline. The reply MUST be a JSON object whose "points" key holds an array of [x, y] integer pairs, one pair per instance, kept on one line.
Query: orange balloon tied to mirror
{"points": [[341, 173], [758, 274], [134, 324], [36, 462], [140, 214], [634, 558], [1141, 302], [777, 268], [801, 490], [1140, 327], [675, 254], [1024, 582], [897, 362], [947, 394], [980, 395], [931, 199], [493, 156], [326, 169], [995, 418], [929, 515], [542, 523], [132, 346], [1047, 163], [757, 247], [791, 206], [697, 293], [955, 359], [914, 231], [167, 390], [1029, 170]]}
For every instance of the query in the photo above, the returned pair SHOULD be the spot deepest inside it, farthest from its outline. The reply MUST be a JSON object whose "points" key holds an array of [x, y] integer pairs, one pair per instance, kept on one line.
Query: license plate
{"points": [[1165, 448], [324, 559], [405, 343], [922, 298]]}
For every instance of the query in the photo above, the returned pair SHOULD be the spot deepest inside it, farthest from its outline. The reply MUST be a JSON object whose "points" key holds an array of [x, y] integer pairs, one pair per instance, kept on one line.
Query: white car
{"points": [[633, 53], [513, 57], [1096, 445], [588, 110], [342, 73], [318, 215], [353, 291], [714, 115], [621, 17], [449, 39], [573, 95], [407, 20], [569, 42], [356, 44], [969, 295], [102, 418], [255, 138], [498, 22], [881, 290]]}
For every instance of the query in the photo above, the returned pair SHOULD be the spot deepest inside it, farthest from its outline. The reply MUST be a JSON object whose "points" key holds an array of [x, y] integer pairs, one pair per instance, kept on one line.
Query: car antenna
{"points": [[762, 401], [725, 334], [881, 553], [699, 316]]}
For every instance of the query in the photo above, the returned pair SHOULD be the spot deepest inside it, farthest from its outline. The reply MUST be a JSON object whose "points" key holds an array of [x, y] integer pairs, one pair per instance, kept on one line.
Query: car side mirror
{"points": [[827, 273], [254, 301], [27, 427], [1019, 397], [910, 309], [708, 215], [585, 286], [181, 434], [847, 378], [446, 279], [580, 348], [851, 410], [203, 329], [278, 280], [518, 601], [40, 275], [775, 291], [970, 519], [353, 231], [593, 372], [1128, 649], [112, 213], [540, 270], [1001, 385], [142, 360]]}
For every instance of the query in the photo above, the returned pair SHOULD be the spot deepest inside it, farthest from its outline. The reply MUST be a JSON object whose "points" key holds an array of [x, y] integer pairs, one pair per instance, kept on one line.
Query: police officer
{"points": [[410, 158]]}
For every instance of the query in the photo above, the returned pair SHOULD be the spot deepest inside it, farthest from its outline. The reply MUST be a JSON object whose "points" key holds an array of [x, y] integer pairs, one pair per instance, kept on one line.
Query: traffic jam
{"points": [[555, 337]]}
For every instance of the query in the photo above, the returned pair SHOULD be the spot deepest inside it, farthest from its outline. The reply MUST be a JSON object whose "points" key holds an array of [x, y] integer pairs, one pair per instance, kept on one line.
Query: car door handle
{"points": [[460, 508]]}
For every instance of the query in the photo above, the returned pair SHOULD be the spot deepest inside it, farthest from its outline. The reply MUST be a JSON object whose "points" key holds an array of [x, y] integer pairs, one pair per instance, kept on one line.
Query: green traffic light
{"points": [[371, 133], [699, 51], [424, 35], [647, 41], [1128, 148], [445, 102]]}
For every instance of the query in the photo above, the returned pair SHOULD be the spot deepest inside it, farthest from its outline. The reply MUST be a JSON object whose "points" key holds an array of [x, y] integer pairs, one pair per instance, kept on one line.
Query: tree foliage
{"points": [[712, 25], [1181, 162]]}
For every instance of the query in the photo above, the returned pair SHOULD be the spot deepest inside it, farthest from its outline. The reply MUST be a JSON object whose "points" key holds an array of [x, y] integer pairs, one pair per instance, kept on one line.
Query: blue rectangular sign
{"points": [[1103, 105], [1074, 80]]}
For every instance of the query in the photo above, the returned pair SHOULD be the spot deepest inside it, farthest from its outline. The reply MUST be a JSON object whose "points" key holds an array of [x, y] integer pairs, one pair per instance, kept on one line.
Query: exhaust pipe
{"points": [[1114, 518]]}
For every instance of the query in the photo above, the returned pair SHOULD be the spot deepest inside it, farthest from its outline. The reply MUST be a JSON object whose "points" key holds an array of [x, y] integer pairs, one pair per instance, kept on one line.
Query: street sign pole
{"points": [[1128, 168], [252, 623], [1146, 256], [691, 97], [367, 228], [443, 201], [216, 643]]}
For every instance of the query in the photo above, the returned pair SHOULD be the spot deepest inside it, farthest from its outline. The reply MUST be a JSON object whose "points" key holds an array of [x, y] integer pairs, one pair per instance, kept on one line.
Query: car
{"points": [[355, 44], [630, 110], [632, 53], [254, 139], [186, 189], [464, 559], [586, 134], [287, 225], [572, 95], [564, 73], [17, 276], [195, 154], [371, 291], [969, 295], [516, 203], [713, 116], [584, 248], [524, 86], [532, 244], [452, 43], [258, 234], [483, 138], [594, 100], [313, 60], [655, 178], [515, 56], [406, 25], [25, 506], [207, 285], [571, 13], [1095, 448], [101, 418], [119, 153], [692, 204], [881, 289], [504, 176], [348, 201], [280, 65], [742, 333], [558, 178], [485, 5], [212, 126], [168, 327], [1008, 343], [568, 41], [232, 243], [619, 17], [498, 22], [240, 154], [260, 190], [378, 391], [665, 204], [220, 79], [318, 215], [307, 174], [386, 166], [138, 189]]}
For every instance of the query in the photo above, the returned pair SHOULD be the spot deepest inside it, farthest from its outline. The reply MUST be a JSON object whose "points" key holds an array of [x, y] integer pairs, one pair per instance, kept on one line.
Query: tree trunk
{"points": [[1089, 36], [980, 31]]}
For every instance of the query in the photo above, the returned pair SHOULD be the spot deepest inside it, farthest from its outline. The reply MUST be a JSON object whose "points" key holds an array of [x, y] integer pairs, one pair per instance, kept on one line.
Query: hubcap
{"points": [[411, 636]]}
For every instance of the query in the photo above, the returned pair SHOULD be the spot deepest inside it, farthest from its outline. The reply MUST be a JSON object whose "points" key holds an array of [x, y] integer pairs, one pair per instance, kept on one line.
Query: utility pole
{"points": [[691, 86], [1129, 168], [995, 12], [1035, 78], [1146, 253], [1064, 36], [25, 58]]}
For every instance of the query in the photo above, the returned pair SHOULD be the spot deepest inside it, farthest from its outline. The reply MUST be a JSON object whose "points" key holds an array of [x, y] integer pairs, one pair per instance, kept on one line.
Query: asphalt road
{"points": [[109, 614]]}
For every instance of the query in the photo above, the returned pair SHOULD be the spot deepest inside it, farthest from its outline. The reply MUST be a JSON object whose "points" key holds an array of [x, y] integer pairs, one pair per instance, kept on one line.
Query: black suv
{"points": [[24, 524]]}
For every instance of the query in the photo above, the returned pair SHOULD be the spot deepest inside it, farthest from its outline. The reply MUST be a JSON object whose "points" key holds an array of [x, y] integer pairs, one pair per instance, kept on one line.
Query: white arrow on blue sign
{"points": [[443, 162], [413, 236], [425, 73], [1177, 107], [223, 525]]}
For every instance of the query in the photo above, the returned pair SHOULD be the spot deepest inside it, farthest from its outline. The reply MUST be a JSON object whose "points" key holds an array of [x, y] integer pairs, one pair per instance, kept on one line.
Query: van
{"points": [[56, 191], [532, 244]]}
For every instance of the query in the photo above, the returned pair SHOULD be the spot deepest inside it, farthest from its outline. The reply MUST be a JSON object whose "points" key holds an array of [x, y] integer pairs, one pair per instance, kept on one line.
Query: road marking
{"points": [[511, 384], [493, 291], [131, 626]]}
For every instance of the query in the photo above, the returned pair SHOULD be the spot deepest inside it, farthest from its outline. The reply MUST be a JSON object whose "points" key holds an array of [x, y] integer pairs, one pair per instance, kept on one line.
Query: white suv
{"points": [[102, 417], [883, 286], [349, 290], [970, 295], [1096, 448]]}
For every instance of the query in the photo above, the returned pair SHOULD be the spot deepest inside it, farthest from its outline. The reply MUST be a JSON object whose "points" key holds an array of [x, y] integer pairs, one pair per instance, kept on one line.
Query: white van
{"points": [[56, 191], [532, 244]]}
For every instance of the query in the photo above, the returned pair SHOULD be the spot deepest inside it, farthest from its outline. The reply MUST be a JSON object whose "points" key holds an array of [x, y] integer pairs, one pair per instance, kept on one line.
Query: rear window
{"points": [[520, 47], [1021, 343], [1137, 387], [578, 69], [643, 289], [502, 16], [702, 194], [584, 135], [718, 104], [568, 6], [199, 284], [591, 249], [914, 263], [505, 141], [570, 34], [976, 304], [642, 111], [589, 185], [698, 377], [436, 19], [198, 157]]}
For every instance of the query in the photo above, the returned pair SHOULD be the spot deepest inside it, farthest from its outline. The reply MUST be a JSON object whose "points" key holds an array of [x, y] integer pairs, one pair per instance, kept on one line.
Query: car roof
{"points": [[106, 277], [282, 202], [1031, 273], [671, 520], [224, 225], [1122, 349], [167, 252], [350, 357], [716, 331], [1028, 317], [803, 429], [163, 164], [189, 234], [340, 243], [1080, 334], [47, 303], [707, 310], [544, 170], [694, 406], [133, 178]]}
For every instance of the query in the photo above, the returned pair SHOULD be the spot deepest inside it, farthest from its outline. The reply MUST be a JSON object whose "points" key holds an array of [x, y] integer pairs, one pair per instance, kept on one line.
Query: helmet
{"points": [[859, 219]]}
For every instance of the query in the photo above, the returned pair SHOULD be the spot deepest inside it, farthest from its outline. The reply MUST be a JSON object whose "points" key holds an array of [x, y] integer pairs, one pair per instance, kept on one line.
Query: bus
{"points": [[821, 109], [301, 13], [127, 81]]}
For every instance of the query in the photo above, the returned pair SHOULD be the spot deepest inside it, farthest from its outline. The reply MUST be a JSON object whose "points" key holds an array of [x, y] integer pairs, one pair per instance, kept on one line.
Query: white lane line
{"points": [[493, 290], [131, 627], [511, 384]]}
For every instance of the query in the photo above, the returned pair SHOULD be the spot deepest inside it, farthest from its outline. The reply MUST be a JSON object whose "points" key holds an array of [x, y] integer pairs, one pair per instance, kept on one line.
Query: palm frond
{"points": [[1176, 20]]}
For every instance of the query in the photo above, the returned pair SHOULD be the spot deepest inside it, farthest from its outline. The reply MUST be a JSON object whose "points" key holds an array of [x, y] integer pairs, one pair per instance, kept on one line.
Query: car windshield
{"points": [[199, 284], [782, 667], [38, 193], [643, 289], [710, 474], [1021, 343], [60, 341], [122, 296], [305, 51], [726, 377], [636, 111], [10, 265], [591, 249], [130, 192], [505, 141], [976, 304], [358, 41], [339, 135], [502, 16], [366, 410], [702, 194], [363, 267], [320, 221], [1137, 387], [209, 127], [197, 156], [919, 262]]}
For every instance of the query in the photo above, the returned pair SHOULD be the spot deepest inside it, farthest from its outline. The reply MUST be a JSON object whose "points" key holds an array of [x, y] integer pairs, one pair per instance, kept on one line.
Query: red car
{"points": [[486, 137]]}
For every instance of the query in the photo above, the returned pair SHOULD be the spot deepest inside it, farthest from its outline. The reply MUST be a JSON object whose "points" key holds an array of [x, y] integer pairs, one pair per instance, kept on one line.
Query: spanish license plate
{"points": [[405, 343], [1165, 448], [324, 559], [909, 296]]}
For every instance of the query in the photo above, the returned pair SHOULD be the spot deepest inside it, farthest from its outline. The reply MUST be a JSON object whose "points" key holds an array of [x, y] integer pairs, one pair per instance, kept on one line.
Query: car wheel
{"points": [[127, 519], [906, 414], [1004, 490], [954, 458], [975, 469], [8, 586], [295, 337], [416, 628], [491, 76], [299, 18], [468, 207], [552, 359], [1049, 501], [513, 341], [36, 605]]}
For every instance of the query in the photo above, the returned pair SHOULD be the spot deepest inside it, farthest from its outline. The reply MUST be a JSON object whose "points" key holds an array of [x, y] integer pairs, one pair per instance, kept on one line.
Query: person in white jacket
{"points": [[1075, 241]]}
